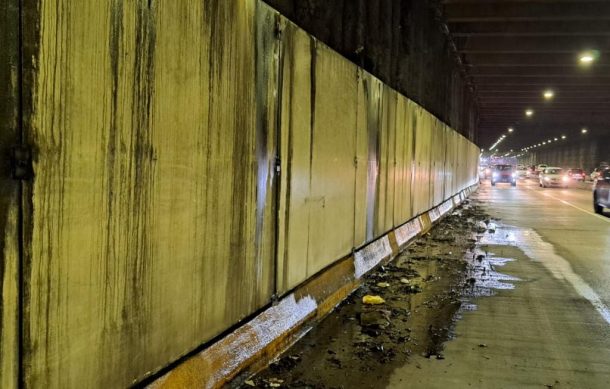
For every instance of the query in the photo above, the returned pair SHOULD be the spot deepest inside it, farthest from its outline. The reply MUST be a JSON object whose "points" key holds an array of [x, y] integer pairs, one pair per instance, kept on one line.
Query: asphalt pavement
{"points": [[548, 324]]}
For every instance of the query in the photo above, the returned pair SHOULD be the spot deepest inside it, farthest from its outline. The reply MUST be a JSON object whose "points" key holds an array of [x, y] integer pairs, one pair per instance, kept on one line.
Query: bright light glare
{"points": [[548, 94], [586, 59], [563, 137], [529, 112], [584, 130], [510, 129]]}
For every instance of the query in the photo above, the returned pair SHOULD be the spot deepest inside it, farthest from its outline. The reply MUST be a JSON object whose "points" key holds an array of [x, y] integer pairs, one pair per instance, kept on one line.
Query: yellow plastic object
{"points": [[372, 300]]}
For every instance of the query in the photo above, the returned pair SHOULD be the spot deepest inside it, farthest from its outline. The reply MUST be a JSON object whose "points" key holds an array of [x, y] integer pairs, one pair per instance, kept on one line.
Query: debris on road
{"points": [[372, 300], [404, 309]]}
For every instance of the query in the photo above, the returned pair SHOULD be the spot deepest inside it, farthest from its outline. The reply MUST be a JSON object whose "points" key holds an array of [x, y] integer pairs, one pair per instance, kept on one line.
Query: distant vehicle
{"points": [[595, 173], [601, 191], [521, 171], [482, 172], [540, 168], [577, 174], [488, 171], [553, 176], [504, 173], [531, 171]]}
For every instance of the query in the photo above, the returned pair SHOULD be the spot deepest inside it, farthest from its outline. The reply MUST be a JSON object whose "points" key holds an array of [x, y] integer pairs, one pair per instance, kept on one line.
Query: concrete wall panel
{"points": [[384, 220], [362, 165], [150, 223], [148, 234], [294, 215], [9, 193], [333, 172], [404, 162], [374, 93]]}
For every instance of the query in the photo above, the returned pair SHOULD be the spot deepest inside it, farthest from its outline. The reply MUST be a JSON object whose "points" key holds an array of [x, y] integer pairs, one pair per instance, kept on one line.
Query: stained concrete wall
{"points": [[402, 42], [9, 193], [586, 153], [149, 224], [354, 152], [156, 218]]}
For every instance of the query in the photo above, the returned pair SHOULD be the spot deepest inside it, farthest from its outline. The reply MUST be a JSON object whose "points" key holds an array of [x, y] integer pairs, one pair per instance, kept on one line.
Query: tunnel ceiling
{"points": [[513, 51]]}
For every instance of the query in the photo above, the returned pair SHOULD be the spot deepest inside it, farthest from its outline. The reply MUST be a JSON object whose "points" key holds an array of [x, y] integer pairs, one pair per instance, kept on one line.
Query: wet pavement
{"points": [[486, 299]]}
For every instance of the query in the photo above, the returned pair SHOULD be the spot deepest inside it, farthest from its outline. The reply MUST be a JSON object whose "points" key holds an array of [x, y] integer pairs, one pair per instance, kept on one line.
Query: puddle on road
{"points": [[538, 250], [426, 290]]}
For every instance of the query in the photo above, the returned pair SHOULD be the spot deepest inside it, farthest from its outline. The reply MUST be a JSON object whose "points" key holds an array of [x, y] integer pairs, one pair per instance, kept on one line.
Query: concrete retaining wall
{"points": [[586, 153], [9, 193], [157, 217]]}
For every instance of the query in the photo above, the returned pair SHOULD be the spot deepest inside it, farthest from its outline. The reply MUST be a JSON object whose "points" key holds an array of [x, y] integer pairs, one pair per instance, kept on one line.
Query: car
{"points": [[540, 168], [596, 172], [521, 171], [553, 176], [488, 171], [601, 192], [577, 174], [504, 173]]}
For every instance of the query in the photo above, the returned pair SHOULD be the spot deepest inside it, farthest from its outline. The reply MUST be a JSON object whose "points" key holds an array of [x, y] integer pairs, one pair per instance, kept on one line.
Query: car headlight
{"points": [[565, 178], [547, 179], [495, 174], [514, 175]]}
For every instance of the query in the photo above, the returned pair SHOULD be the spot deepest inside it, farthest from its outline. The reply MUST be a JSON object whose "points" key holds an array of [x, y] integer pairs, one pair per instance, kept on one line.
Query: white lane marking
{"points": [[607, 220], [538, 250]]}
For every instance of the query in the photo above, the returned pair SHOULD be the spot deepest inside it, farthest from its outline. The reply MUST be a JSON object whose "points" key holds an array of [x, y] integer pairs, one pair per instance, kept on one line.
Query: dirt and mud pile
{"points": [[404, 310]]}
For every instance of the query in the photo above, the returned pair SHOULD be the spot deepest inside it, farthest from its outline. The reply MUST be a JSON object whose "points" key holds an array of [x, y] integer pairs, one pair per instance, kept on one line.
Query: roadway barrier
{"points": [[194, 162]]}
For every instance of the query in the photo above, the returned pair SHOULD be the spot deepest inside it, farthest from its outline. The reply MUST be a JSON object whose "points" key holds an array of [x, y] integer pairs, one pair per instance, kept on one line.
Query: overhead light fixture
{"points": [[510, 129], [548, 94], [529, 112], [587, 57], [563, 137], [584, 131], [555, 139], [543, 143]]}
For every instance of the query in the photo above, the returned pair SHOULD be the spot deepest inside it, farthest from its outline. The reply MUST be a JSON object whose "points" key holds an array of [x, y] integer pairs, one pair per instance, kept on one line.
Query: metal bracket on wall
{"points": [[21, 162]]}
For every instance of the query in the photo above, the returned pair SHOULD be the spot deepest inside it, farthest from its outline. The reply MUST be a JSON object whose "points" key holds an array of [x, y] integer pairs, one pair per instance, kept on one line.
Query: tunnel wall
{"points": [[9, 193], [402, 42], [156, 212], [584, 153]]}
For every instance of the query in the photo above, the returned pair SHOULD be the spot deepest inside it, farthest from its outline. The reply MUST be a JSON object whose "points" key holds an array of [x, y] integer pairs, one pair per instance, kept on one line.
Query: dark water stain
{"points": [[9, 189], [373, 112], [268, 68]]}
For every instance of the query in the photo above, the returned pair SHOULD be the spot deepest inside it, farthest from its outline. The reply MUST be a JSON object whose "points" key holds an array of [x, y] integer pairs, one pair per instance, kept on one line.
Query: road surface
{"points": [[534, 311], [553, 328]]}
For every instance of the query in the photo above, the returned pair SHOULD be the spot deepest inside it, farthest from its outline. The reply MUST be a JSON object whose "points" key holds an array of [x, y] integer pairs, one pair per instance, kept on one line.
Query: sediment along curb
{"points": [[256, 343]]}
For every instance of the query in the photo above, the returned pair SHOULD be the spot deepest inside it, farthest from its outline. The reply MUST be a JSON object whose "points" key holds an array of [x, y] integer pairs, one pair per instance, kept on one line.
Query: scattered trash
{"points": [[383, 322], [274, 382], [376, 318], [372, 300]]}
